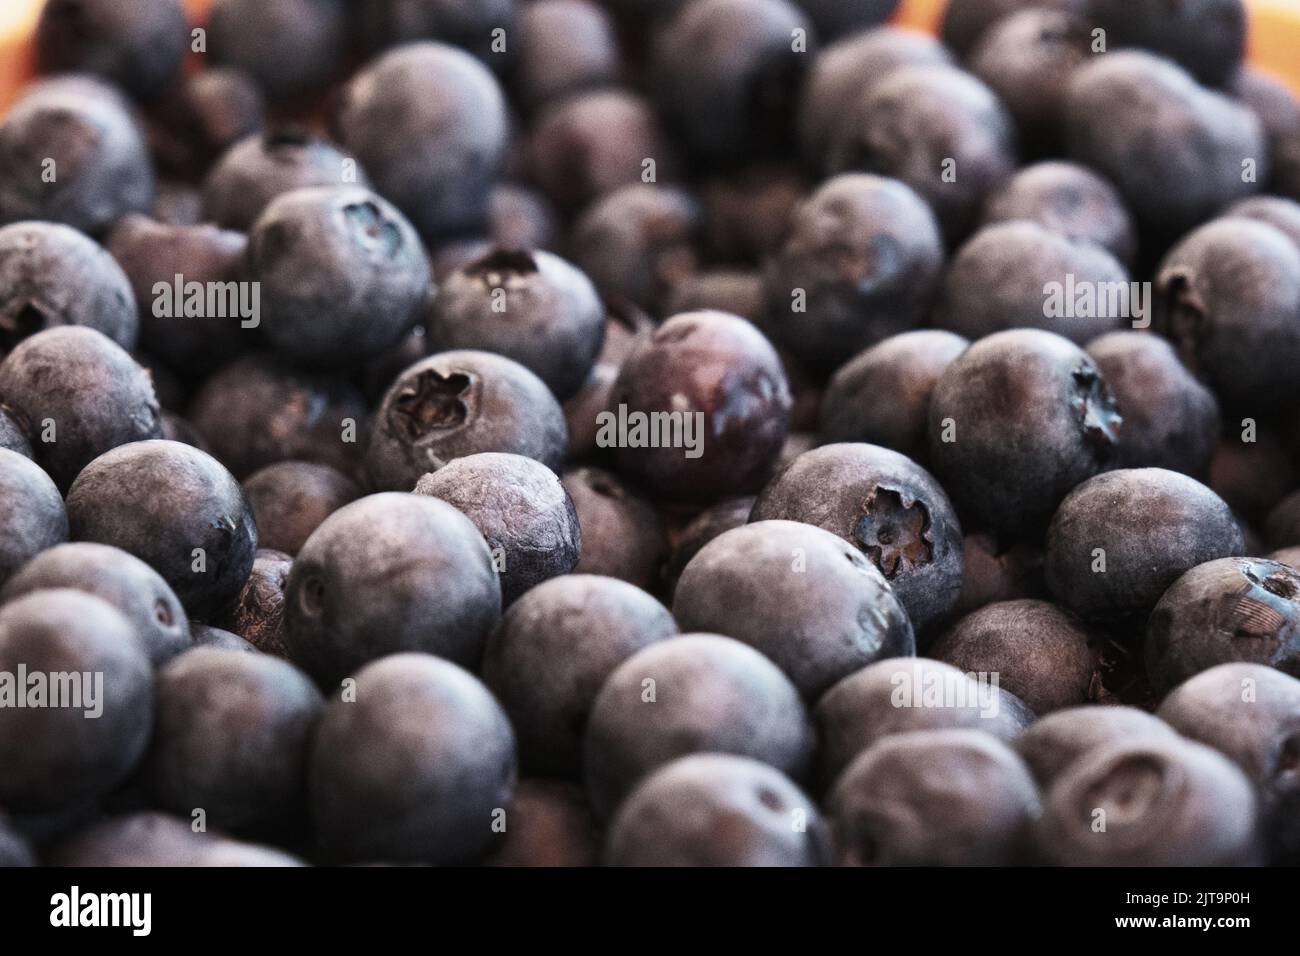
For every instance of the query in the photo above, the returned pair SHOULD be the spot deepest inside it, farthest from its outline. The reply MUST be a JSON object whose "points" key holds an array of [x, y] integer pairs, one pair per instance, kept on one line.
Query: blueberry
{"points": [[257, 411], [177, 203], [934, 798], [100, 165], [14, 848], [888, 508], [550, 823], [461, 403], [1018, 420], [428, 122], [343, 275], [1151, 802], [690, 694], [1232, 609], [699, 531], [861, 261], [1051, 745], [1227, 296], [1003, 278], [726, 75], [1253, 476], [1170, 419], [195, 124], [290, 48], [59, 755], [554, 649], [724, 382], [1277, 211], [1175, 150], [152, 254], [120, 579], [739, 292], [816, 606], [441, 592], [261, 167], [1207, 37], [175, 508], [159, 839], [965, 21], [563, 46], [920, 123], [905, 367], [999, 568], [79, 395], [717, 810], [531, 306], [385, 23], [417, 767], [1250, 714], [52, 275], [32, 518], [258, 616], [1120, 539], [136, 44], [836, 18], [520, 507], [622, 534], [204, 635], [521, 218], [12, 436], [747, 213], [291, 498], [1068, 199]]}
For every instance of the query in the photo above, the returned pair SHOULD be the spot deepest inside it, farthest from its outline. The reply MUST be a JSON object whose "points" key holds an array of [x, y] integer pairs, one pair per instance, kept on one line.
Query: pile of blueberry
{"points": [[649, 432]]}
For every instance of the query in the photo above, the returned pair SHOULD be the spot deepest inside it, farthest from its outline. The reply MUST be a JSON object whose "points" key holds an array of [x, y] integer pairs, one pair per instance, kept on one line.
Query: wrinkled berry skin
{"points": [[57, 757], [261, 167], [291, 498], [1018, 420], [905, 367], [816, 606], [1000, 279], [934, 798], [1052, 744], [1151, 523], [965, 21], [1041, 653], [717, 810], [552, 652], [726, 76], [52, 275], [414, 768], [258, 616], [101, 163], [533, 307], [1206, 37], [1232, 609], [1170, 419], [520, 507], [887, 507], [1258, 734], [1175, 150], [32, 518], [441, 592], [727, 380], [907, 125], [1167, 803], [136, 44], [1226, 297], [163, 502], [343, 274], [861, 261], [291, 47], [902, 694], [550, 825], [231, 735], [706, 693], [80, 396], [136, 590], [622, 534], [159, 839], [428, 123], [1068, 199], [461, 403]]}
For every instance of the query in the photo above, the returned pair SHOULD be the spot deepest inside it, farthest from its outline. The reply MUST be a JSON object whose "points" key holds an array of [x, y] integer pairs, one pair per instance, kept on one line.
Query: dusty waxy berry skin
{"points": [[820, 609], [178, 510], [32, 518], [717, 810], [1018, 420], [12, 436], [1052, 744], [711, 694], [290, 499], [461, 403], [703, 528], [887, 507], [934, 798], [727, 385], [564, 46], [1150, 525], [159, 839], [443, 592], [412, 770], [552, 652], [522, 510], [622, 534], [290, 48], [861, 261]]}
